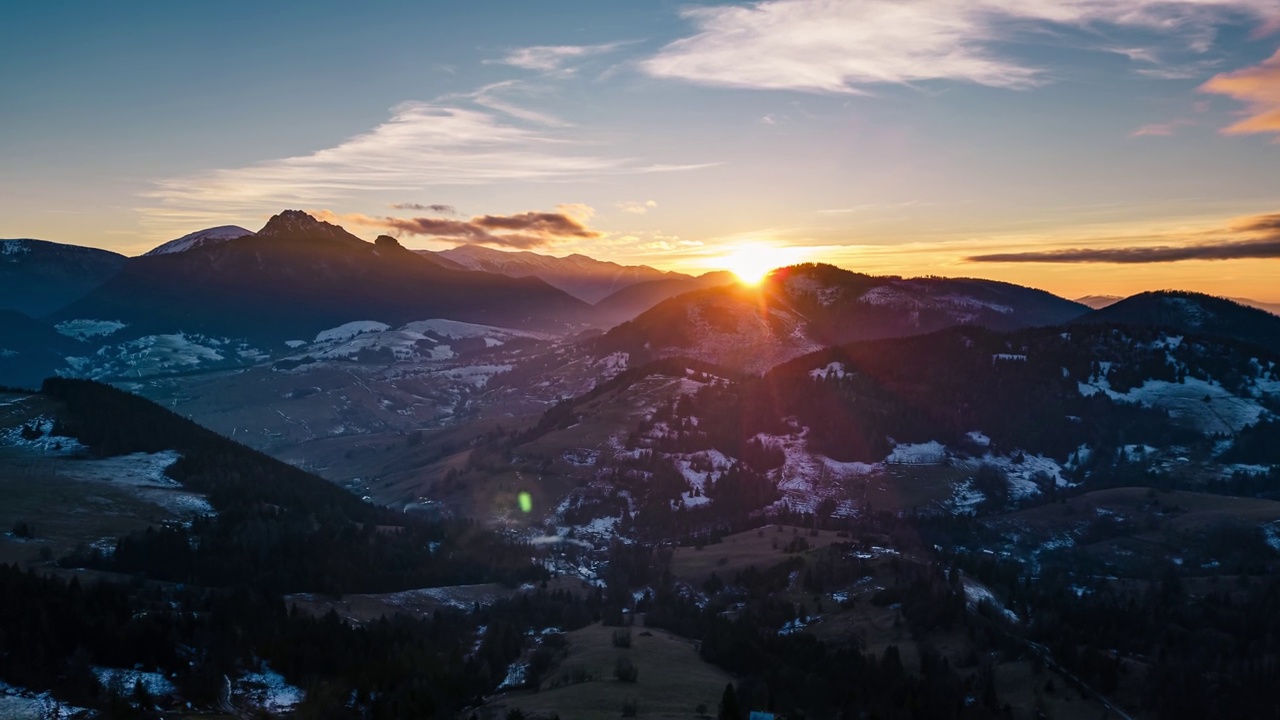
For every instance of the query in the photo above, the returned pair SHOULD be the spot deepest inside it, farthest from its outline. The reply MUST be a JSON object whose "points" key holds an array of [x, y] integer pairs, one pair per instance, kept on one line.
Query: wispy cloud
{"points": [[421, 145], [836, 46], [637, 207], [435, 208], [1255, 237], [547, 58], [1164, 129], [1258, 87], [521, 230]]}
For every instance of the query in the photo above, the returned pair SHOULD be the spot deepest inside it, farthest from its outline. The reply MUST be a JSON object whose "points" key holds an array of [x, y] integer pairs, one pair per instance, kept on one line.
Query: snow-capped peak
{"points": [[201, 238]]}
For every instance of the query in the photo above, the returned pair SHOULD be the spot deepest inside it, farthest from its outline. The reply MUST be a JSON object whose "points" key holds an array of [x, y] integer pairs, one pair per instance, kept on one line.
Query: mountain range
{"points": [[298, 276], [228, 297]]}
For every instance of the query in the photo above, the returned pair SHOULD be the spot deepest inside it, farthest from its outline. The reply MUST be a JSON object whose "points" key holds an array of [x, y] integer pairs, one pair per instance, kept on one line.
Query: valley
{"points": [[934, 486]]}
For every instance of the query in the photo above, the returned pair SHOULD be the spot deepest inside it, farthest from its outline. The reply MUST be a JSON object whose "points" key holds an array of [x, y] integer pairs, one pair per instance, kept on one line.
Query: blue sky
{"points": [[988, 138]]}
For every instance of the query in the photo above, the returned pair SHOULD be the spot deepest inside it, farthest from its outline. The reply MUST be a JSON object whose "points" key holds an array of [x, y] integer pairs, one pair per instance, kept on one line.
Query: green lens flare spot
{"points": [[526, 502]]}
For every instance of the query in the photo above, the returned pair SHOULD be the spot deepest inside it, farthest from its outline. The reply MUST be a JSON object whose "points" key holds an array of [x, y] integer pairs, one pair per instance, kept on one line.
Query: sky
{"points": [[1079, 146]]}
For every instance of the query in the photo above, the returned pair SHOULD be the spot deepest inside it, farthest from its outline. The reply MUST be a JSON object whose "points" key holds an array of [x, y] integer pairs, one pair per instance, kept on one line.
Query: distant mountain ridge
{"points": [[38, 277], [803, 308], [585, 278], [632, 300], [1097, 302]]}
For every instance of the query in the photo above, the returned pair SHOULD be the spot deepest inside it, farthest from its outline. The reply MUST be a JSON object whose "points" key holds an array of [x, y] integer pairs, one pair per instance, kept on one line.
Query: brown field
{"points": [[369, 607], [673, 680], [743, 550], [907, 487]]}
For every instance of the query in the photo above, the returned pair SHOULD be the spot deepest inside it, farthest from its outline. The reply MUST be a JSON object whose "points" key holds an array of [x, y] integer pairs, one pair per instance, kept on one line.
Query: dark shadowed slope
{"points": [[1194, 313], [38, 277], [30, 349]]}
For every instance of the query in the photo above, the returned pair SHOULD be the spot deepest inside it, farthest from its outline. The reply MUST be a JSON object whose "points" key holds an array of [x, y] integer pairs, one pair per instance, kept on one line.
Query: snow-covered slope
{"points": [[201, 238]]}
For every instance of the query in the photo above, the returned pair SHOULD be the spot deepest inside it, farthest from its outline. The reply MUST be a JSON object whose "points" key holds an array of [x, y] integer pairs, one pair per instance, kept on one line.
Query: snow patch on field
{"points": [[715, 460], [457, 329], [1022, 472], [461, 597], [929, 453], [1272, 533], [976, 594], [269, 690], [14, 247], [886, 295], [613, 365], [1205, 406], [791, 627], [85, 329], [516, 676], [346, 331], [835, 369], [972, 303], [806, 478], [21, 704], [45, 442], [156, 354], [155, 683], [402, 344], [604, 527], [135, 470], [477, 375], [965, 498], [143, 474], [800, 285]]}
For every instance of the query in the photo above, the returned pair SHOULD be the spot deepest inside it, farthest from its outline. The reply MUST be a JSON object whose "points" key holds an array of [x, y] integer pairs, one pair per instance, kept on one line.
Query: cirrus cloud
{"points": [[552, 57], [637, 207], [434, 207], [421, 145], [838, 46]]}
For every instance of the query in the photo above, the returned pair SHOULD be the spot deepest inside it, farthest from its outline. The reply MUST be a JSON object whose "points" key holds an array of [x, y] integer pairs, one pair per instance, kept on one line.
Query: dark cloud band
{"points": [[1254, 237], [522, 230], [435, 208], [1251, 249]]}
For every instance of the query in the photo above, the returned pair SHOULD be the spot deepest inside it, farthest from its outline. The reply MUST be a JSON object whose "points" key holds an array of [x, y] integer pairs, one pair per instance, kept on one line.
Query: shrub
{"points": [[625, 670], [622, 638]]}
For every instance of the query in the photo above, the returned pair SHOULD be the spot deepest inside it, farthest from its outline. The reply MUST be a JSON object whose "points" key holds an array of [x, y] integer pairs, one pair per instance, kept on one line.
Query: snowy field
{"points": [[19, 704], [86, 329], [268, 690], [1205, 406]]}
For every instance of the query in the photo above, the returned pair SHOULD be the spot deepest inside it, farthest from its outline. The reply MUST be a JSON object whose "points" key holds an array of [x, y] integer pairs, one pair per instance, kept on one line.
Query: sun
{"points": [[751, 263]]}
